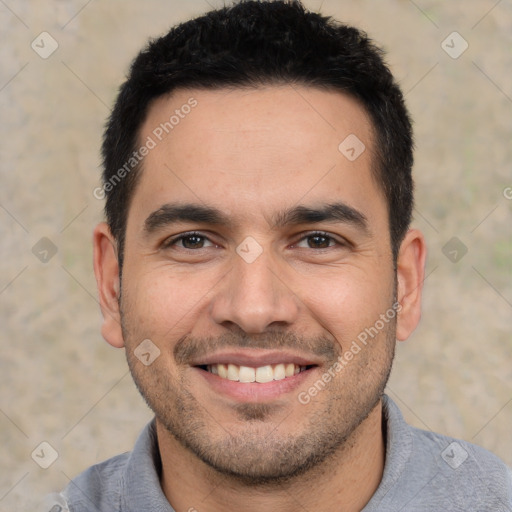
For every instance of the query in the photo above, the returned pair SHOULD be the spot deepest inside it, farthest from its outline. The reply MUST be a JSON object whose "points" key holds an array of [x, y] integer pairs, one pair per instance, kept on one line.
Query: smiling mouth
{"points": [[261, 374]]}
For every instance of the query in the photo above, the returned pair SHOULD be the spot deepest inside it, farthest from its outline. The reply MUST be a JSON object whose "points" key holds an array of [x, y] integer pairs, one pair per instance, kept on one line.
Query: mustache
{"points": [[189, 348]]}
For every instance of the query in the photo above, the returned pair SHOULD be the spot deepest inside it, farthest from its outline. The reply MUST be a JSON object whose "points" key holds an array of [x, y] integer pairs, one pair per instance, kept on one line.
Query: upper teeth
{"points": [[261, 374]]}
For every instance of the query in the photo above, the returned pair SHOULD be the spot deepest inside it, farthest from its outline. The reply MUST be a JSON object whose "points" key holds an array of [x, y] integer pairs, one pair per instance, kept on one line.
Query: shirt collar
{"points": [[141, 480], [398, 450]]}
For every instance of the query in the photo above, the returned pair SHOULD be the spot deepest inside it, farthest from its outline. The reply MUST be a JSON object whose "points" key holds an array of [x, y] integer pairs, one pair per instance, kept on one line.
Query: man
{"points": [[258, 267]]}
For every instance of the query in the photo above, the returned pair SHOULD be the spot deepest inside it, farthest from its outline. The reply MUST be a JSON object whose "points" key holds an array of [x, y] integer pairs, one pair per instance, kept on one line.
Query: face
{"points": [[257, 256]]}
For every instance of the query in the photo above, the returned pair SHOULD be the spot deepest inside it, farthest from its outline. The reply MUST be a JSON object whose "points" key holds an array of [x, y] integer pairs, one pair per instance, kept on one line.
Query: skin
{"points": [[251, 154]]}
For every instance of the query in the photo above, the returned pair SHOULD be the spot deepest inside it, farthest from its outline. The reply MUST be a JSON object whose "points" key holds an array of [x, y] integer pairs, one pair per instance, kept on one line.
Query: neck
{"points": [[347, 480]]}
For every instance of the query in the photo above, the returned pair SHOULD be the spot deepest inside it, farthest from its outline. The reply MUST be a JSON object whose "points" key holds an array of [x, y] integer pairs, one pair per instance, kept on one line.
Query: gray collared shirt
{"points": [[423, 472]]}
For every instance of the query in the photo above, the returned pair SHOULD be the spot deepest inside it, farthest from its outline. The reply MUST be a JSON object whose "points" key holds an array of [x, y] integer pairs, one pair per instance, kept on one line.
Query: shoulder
{"points": [[462, 471], [426, 471], [125, 482], [99, 486], [457, 453]]}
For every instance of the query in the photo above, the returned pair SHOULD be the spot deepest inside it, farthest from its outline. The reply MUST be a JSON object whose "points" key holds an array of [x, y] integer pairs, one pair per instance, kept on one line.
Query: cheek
{"points": [[153, 305], [158, 305], [348, 301]]}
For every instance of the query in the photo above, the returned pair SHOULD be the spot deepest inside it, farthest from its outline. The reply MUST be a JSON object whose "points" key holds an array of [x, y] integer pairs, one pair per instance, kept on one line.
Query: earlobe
{"points": [[106, 270], [410, 276]]}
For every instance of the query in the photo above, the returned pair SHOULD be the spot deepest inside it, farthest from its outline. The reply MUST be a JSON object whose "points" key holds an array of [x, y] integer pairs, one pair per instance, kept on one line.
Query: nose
{"points": [[255, 297]]}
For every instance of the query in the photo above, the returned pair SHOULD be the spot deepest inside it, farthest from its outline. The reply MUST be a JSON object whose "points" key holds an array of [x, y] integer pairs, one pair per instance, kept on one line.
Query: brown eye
{"points": [[193, 242], [189, 241], [318, 241]]}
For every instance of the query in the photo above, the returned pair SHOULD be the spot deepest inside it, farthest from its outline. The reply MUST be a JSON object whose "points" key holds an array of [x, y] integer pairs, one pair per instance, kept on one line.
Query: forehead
{"points": [[249, 150]]}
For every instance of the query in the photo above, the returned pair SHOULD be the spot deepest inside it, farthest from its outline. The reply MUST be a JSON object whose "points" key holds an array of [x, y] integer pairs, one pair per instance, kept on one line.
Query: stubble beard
{"points": [[257, 453]]}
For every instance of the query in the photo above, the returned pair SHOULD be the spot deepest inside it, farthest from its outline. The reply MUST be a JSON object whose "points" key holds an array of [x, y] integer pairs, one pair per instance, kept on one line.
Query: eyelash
{"points": [[173, 241]]}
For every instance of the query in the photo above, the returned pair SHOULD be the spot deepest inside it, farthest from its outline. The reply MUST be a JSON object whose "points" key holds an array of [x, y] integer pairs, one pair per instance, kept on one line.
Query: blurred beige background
{"points": [[62, 384]]}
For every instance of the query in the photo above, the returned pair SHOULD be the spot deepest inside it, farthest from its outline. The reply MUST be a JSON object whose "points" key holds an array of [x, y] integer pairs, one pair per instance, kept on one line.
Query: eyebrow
{"points": [[172, 213], [334, 212]]}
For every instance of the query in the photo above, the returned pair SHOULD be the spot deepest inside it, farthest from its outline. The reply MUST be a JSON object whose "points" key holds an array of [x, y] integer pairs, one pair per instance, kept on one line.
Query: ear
{"points": [[410, 276], [106, 269]]}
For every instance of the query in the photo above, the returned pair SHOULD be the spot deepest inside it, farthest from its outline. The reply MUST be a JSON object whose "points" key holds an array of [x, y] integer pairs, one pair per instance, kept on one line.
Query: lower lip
{"points": [[255, 391]]}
